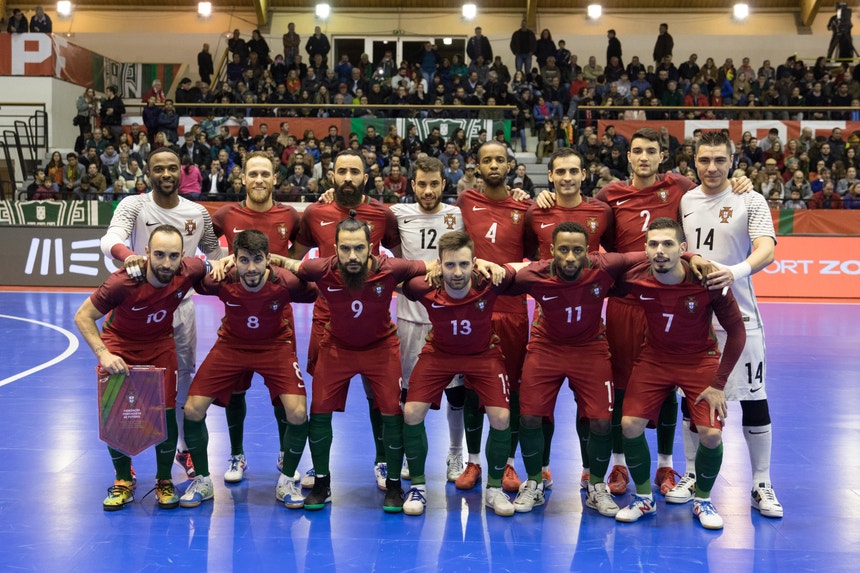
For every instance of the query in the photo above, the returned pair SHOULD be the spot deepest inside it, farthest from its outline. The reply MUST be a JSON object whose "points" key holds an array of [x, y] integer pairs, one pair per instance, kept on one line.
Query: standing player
{"points": [[134, 219], [678, 312], [280, 223], [461, 341], [566, 173], [421, 225], [317, 229], [139, 332], [737, 232], [496, 223], [255, 336]]}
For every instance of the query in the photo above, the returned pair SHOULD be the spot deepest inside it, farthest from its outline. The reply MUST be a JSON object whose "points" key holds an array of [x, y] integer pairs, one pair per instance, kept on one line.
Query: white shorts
{"points": [[747, 380], [185, 338], [413, 336]]}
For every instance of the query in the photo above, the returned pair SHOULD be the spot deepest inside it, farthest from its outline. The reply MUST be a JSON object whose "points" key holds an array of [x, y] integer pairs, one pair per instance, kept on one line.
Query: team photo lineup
{"points": [[645, 292]]}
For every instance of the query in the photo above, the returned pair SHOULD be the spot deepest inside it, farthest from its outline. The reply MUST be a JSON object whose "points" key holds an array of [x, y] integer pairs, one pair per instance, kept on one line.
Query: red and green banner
{"points": [[132, 409]]}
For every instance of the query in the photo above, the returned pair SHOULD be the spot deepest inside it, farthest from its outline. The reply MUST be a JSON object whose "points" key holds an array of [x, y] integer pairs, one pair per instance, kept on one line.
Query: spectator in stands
{"points": [[54, 168], [17, 23], [468, 180], [317, 45], [544, 47], [772, 183], [847, 182], [186, 95], [72, 174], [823, 153], [398, 183], [98, 182], [382, 193], [479, 45], [664, 45], [141, 187], [258, 45], [547, 140], [826, 198], [41, 23], [142, 147], [87, 106], [774, 200], [42, 188], [798, 183], [109, 159], [112, 111], [592, 70], [205, 66], [794, 201], [523, 46], [851, 200], [168, 122], [155, 91], [775, 153]]}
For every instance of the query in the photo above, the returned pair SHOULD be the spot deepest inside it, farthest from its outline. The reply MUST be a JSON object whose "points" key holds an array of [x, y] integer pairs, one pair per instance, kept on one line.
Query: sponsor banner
{"points": [[132, 409], [812, 267], [56, 213], [53, 256]]}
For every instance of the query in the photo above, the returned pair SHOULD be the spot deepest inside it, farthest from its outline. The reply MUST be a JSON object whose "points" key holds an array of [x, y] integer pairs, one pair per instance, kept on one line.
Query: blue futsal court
{"points": [[56, 472]]}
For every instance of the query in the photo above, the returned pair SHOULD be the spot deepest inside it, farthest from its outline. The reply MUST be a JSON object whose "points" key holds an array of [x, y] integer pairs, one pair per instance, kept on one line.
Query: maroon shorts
{"points": [[336, 365], [513, 332], [227, 371], [625, 332], [161, 354], [656, 375], [484, 372], [586, 368], [317, 333]]}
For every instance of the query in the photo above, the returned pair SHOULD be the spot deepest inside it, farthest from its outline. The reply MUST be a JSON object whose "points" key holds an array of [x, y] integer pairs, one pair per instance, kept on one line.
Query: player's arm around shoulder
{"points": [[300, 290]]}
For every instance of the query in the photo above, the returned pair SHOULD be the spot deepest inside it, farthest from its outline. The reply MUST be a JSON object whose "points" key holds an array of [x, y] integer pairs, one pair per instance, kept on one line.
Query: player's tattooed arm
{"points": [[291, 265]]}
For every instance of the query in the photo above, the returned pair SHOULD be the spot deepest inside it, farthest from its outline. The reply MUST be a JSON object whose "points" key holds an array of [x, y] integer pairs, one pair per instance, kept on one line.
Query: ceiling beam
{"points": [[531, 14], [261, 7], [808, 11]]}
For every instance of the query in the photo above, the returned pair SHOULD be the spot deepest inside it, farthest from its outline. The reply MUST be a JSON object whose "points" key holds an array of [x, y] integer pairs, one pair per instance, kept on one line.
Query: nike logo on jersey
{"points": [[231, 304], [688, 214], [643, 297], [754, 390], [479, 208], [545, 225], [329, 289], [324, 223], [407, 221], [235, 230], [136, 308], [548, 297], [148, 224], [622, 202], [434, 305], [300, 385]]}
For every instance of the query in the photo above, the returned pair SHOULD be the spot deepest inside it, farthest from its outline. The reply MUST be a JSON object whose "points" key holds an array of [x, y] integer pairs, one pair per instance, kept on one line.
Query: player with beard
{"points": [[317, 229], [421, 225], [566, 173], [280, 223], [496, 223], [138, 332], [678, 311], [256, 335], [133, 220]]}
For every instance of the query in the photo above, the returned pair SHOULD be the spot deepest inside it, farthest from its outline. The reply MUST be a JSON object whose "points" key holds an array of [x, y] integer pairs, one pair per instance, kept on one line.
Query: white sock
{"points": [[475, 459], [510, 462], [456, 430], [181, 446], [546, 469], [619, 460], [759, 441], [664, 461], [691, 445]]}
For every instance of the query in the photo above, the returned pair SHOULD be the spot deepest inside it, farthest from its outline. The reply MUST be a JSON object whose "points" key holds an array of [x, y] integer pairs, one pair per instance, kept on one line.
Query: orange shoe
{"points": [[546, 476], [618, 480], [470, 477], [665, 479], [584, 479], [511, 482]]}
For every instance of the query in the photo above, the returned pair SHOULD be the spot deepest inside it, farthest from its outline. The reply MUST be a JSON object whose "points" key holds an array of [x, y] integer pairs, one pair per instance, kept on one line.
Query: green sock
{"points": [[392, 439], [532, 442], [599, 454], [415, 444], [639, 462], [376, 428], [548, 432], [666, 422], [166, 450], [708, 462], [473, 420], [281, 419], [498, 444], [235, 413], [515, 423], [294, 439], [197, 439], [121, 464], [583, 432], [319, 440], [617, 434]]}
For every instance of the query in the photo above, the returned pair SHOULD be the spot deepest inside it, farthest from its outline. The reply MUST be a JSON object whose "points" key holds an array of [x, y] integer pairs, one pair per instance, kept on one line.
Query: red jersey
{"points": [[595, 216], [634, 209], [360, 318], [140, 312], [255, 318], [319, 222], [280, 224], [679, 317], [460, 325], [500, 233], [568, 312]]}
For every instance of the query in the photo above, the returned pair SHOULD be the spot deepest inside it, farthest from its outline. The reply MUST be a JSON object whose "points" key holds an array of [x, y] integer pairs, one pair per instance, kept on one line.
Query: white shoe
{"points": [[764, 499], [404, 471], [455, 466], [296, 476], [639, 506], [707, 514], [529, 497], [236, 467], [497, 501], [289, 492], [380, 472], [200, 490], [599, 498], [415, 501], [309, 479], [683, 491]]}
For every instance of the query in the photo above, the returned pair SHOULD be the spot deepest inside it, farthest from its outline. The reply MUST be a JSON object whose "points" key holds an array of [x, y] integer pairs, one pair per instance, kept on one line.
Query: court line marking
{"points": [[73, 346]]}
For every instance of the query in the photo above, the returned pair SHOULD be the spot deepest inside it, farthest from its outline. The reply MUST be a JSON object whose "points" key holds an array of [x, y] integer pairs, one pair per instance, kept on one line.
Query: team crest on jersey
{"points": [[663, 195], [516, 217], [378, 288], [481, 304], [190, 227], [179, 294], [592, 225], [691, 304], [274, 306], [450, 220], [596, 290], [369, 227], [282, 231], [725, 214]]}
